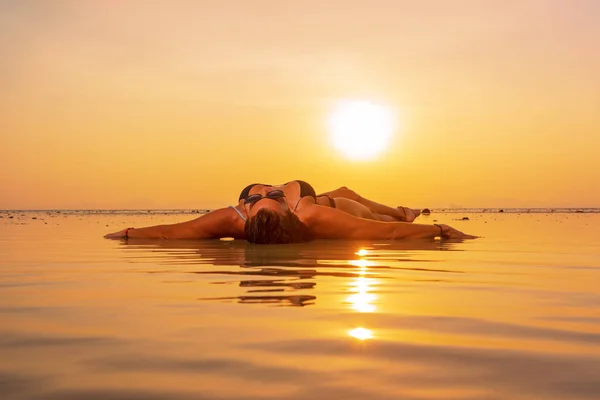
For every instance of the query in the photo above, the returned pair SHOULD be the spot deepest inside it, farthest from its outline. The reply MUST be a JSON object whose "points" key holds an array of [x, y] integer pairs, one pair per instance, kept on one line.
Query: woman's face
{"points": [[278, 205]]}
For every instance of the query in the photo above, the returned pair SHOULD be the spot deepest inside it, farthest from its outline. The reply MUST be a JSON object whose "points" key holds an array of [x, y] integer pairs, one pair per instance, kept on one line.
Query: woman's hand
{"points": [[449, 232], [117, 235]]}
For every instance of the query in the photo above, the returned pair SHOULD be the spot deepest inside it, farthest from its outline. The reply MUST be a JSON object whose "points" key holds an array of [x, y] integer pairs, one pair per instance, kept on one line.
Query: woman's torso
{"points": [[298, 194]]}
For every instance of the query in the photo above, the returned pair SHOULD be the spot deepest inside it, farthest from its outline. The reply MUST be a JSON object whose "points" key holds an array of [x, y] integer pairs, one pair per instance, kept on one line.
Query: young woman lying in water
{"points": [[292, 213]]}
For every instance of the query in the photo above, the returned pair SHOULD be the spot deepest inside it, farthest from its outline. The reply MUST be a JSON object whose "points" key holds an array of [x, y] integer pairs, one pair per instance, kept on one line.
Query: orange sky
{"points": [[180, 104]]}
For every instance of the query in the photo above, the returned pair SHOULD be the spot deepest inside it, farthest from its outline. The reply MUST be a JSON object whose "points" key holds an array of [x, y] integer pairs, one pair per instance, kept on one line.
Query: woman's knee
{"points": [[347, 193]]}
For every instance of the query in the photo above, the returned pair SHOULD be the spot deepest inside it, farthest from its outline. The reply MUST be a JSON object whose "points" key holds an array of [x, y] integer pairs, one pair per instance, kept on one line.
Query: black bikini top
{"points": [[306, 189]]}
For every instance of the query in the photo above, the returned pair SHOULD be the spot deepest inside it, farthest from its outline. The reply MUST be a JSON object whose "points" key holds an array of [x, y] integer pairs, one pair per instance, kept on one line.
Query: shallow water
{"points": [[512, 315]]}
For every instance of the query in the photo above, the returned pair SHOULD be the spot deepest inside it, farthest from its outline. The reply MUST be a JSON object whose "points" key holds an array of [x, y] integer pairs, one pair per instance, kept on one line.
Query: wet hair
{"points": [[270, 227]]}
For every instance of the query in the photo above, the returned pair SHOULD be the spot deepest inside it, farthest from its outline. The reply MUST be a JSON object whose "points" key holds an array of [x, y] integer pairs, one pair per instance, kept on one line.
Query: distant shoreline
{"points": [[556, 210]]}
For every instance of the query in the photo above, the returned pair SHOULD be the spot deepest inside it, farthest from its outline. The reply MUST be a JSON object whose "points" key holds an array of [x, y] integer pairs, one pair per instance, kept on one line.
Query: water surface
{"points": [[512, 315]]}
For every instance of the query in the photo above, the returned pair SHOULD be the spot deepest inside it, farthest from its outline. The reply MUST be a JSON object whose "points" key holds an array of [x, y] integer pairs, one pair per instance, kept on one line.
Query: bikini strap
{"points": [[239, 213], [296, 206]]}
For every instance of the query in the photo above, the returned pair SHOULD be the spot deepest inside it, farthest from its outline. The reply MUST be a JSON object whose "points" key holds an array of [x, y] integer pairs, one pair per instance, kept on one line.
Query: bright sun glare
{"points": [[361, 130], [361, 333]]}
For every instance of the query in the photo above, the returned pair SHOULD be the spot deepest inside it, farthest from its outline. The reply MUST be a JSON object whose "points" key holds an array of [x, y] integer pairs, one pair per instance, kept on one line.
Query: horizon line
{"points": [[204, 210]]}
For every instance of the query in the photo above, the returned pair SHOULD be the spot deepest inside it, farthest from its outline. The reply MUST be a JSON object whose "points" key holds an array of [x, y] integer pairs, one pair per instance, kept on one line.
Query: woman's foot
{"points": [[408, 214]]}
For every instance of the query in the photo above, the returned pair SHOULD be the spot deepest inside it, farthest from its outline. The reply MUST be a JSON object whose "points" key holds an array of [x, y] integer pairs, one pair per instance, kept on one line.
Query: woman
{"points": [[292, 213]]}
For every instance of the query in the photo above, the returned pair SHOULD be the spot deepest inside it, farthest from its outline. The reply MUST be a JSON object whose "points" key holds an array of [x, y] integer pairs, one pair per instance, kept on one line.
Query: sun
{"points": [[361, 130]]}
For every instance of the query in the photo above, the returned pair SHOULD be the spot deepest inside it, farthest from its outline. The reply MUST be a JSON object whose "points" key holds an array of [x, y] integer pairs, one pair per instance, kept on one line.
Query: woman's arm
{"points": [[220, 223], [330, 223]]}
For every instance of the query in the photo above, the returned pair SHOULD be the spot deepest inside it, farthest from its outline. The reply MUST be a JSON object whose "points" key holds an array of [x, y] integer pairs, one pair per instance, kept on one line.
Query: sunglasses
{"points": [[274, 195]]}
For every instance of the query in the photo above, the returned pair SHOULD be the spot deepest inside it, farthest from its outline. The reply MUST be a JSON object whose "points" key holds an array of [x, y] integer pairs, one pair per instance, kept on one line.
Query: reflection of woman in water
{"points": [[293, 212], [285, 275]]}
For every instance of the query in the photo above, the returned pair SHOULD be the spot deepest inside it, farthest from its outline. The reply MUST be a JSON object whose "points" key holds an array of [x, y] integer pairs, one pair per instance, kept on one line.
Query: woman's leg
{"points": [[397, 213], [358, 210]]}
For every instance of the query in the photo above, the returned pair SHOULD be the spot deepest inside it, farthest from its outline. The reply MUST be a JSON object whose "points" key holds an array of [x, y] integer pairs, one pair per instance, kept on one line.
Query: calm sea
{"points": [[512, 315]]}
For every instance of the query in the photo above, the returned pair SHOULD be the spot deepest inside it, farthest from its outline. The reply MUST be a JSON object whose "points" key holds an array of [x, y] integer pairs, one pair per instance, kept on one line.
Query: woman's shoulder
{"points": [[223, 222], [310, 212]]}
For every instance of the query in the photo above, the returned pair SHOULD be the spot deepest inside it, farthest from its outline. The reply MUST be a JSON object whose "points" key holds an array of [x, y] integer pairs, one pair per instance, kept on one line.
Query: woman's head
{"points": [[271, 227]]}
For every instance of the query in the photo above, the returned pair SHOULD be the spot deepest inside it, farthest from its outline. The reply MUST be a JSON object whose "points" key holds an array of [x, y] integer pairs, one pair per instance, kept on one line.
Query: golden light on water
{"points": [[363, 264], [361, 130], [361, 333], [360, 299]]}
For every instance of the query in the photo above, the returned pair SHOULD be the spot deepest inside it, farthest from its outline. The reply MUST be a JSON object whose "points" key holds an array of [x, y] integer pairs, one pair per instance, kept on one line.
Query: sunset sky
{"points": [[180, 104]]}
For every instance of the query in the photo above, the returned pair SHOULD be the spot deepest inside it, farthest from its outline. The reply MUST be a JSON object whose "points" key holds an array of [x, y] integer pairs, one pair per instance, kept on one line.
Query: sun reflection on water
{"points": [[360, 299], [361, 333], [363, 264]]}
